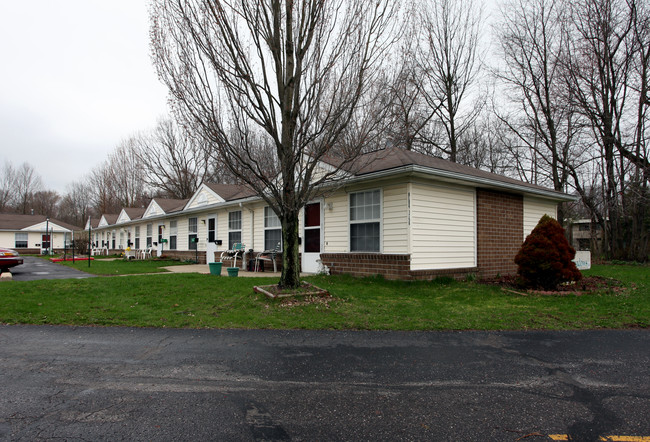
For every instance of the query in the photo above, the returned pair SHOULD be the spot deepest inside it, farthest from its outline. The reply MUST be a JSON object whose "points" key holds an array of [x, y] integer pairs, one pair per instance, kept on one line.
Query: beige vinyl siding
{"points": [[395, 219], [123, 218], [222, 229], [204, 198], [8, 239], [258, 229], [247, 227], [336, 227], [534, 209], [181, 241], [443, 227]]}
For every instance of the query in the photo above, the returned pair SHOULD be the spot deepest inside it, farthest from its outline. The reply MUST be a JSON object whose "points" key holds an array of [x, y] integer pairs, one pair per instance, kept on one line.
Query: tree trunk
{"points": [[290, 277]]}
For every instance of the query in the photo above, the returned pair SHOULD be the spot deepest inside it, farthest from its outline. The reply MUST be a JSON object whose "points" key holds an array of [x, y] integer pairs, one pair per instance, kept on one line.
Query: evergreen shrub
{"points": [[545, 259]]}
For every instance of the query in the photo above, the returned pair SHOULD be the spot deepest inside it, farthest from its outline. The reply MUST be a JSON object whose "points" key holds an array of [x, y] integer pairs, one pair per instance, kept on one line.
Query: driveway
{"points": [[93, 383], [34, 268]]}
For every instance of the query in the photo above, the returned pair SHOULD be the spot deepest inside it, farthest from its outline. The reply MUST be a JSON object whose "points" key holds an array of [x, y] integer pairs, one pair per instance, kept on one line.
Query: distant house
{"points": [[403, 215], [34, 233], [586, 235]]}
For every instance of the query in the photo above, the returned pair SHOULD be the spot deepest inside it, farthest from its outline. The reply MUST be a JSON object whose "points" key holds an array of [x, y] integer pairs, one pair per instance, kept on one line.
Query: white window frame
{"points": [[270, 215], [149, 235], [192, 231], [235, 229], [24, 235], [136, 240], [379, 220], [173, 233]]}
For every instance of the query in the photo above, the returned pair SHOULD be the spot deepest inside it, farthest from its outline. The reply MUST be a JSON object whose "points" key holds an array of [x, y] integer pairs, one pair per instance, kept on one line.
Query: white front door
{"points": [[312, 238], [211, 247]]}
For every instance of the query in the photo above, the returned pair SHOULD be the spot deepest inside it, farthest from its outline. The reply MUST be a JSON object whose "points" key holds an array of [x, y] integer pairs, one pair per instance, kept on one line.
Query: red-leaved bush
{"points": [[545, 258]]}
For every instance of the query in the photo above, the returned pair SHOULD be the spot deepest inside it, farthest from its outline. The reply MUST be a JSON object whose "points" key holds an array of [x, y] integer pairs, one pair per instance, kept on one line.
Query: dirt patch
{"points": [[305, 295], [305, 289], [588, 284]]}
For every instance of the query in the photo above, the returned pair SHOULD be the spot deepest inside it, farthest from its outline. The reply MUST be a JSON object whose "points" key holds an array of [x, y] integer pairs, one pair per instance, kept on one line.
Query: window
{"points": [[137, 237], [21, 240], [193, 230], [212, 229], [173, 232], [365, 220], [113, 240], [234, 228], [149, 234], [272, 229]]}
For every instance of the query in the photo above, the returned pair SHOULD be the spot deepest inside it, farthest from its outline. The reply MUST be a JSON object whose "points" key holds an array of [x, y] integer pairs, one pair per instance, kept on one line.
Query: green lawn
{"points": [[121, 266], [196, 301]]}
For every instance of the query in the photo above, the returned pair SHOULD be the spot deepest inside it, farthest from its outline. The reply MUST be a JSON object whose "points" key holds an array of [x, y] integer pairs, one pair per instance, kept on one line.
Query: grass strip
{"points": [[206, 301]]}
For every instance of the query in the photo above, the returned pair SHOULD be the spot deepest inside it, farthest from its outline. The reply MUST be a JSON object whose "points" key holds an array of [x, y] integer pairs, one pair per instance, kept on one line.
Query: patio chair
{"points": [[268, 255], [232, 254]]}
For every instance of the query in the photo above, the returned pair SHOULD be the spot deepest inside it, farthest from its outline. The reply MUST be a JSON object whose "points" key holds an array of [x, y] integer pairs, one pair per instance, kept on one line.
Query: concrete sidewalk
{"points": [[205, 270]]}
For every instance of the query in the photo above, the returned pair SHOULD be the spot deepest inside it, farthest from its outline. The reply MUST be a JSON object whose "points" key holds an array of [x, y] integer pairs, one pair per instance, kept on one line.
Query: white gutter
{"points": [[455, 176]]}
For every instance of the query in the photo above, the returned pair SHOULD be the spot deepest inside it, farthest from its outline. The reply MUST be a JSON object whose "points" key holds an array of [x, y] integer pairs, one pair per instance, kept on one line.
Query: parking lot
{"points": [[37, 268]]}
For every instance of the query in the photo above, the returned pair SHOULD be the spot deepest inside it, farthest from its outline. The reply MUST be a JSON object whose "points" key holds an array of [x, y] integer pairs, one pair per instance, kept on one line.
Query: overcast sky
{"points": [[75, 79]]}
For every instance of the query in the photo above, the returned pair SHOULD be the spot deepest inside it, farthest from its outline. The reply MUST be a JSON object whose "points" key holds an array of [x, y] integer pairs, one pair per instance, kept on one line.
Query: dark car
{"points": [[9, 258]]}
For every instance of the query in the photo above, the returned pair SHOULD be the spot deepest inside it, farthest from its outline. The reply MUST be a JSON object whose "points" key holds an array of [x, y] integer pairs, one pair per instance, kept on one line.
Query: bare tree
{"points": [[26, 183], [7, 186], [448, 67], [174, 163], [605, 62], [45, 202], [532, 36], [409, 116], [278, 76], [75, 206], [118, 181]]}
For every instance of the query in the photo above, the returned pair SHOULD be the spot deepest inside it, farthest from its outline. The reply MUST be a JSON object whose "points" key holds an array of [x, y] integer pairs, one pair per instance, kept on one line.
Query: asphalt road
{"points": [[34, 268], [89, 383]]}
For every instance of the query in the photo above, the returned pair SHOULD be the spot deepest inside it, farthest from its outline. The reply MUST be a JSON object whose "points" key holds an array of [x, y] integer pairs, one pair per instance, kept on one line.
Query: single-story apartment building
{"points": [[403, 215], [34, 233]]}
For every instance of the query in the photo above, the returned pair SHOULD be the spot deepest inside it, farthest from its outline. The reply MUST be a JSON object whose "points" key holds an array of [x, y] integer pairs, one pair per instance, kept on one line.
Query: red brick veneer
{"points": [[500, 231], [389, 266]]}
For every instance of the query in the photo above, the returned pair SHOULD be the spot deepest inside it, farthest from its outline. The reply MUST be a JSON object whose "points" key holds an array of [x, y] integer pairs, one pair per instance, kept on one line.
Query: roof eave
{"points": [[412, 169]]}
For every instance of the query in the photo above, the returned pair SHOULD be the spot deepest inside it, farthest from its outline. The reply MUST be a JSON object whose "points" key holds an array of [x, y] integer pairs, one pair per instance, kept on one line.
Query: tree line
{"points": [[163, 162], [558, 98]]}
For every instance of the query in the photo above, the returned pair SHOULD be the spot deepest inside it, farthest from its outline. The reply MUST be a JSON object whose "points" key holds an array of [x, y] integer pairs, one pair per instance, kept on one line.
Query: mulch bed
{"points": [[588, 284], [305, 295], [305, 289]]}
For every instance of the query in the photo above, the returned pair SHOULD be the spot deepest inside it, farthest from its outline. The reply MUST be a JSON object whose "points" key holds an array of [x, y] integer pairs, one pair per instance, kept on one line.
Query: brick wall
{"points": [[500, 231], [183, 255], [389, 266]]}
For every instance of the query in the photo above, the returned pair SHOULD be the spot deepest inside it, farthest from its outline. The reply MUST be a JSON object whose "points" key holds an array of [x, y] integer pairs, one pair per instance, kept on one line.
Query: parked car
{"points": [[9, 258]]}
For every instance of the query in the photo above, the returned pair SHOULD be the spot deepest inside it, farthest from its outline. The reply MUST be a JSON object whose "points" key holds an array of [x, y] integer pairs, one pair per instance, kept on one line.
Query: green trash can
{"points": [[215, 268], [233, 271]]}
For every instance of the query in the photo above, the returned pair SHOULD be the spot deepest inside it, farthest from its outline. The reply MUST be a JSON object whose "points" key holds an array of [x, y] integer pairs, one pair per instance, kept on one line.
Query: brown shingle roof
{"points": [[170, 205], [14, 221], [111, 218], [231, 192], [394, 157], [134, 212]]}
